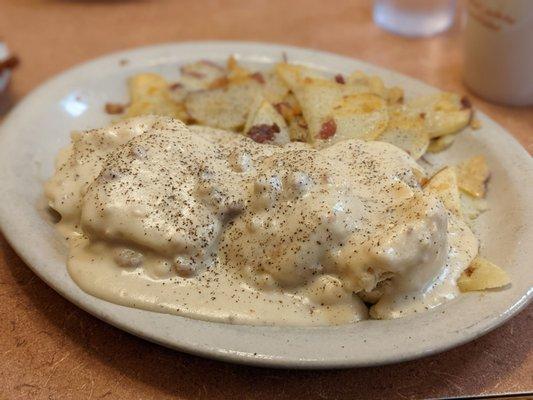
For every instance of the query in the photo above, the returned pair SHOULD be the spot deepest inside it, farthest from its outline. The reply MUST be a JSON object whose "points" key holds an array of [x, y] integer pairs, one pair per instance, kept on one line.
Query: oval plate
{"points": [[39, 126]]}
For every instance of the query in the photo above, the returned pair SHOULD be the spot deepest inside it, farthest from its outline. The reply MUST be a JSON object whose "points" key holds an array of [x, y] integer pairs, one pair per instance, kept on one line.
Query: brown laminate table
{"points": [[52, 350]]}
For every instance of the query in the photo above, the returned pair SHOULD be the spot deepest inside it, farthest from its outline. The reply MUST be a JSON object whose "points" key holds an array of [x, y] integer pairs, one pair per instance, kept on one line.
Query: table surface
{"points": [[51, 349]]}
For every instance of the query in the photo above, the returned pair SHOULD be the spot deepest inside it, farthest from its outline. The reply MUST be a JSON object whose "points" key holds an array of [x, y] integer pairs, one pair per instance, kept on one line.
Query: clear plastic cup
{"points": [[414, 17]]}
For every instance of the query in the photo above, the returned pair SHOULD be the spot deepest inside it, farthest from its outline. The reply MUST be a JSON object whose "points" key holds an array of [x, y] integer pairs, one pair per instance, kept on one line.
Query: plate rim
{"points": [[217, 353]]}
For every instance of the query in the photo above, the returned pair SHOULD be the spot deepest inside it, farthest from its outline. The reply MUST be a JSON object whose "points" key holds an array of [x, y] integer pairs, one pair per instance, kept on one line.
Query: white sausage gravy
{"points": [[212, 225]]}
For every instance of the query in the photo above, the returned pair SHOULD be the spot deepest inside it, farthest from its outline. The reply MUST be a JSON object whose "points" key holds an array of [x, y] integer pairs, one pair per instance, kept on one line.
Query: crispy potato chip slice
{"points": [[150, 94], [444, 113], [263, 113], [407, 132], [441, 143], [444, 186], [481, 274], [472, 176], [224, 108]]}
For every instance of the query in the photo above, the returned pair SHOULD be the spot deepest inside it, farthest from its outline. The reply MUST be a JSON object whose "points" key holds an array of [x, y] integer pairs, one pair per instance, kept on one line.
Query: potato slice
{"points": [[293, 74], [367, 84], [332, 114], [265, 115], [236, 72], [334, 110], [298, 129], [178, 92], [475, 123], [224, 108], [374, 84], [200, 75], [444, 113], [288, 108], [472, 176], [441, 143], [481, 274], [357, 116], [471, 207], [406, 131], [274, 89], [317, 97], [394, 95], [150, 94], [444, 186], [291, 100], [371, 84]]}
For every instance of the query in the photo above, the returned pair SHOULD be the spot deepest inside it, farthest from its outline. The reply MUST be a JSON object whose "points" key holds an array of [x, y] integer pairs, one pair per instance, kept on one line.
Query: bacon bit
{"points": [[212, 64], [422, 115], [263, 132], [175, 86], [114, 108], [328, 129], [9, 63], [221, 82], [465, 102], [469, 271], [284, 109], [340, 79], [258, 76]]}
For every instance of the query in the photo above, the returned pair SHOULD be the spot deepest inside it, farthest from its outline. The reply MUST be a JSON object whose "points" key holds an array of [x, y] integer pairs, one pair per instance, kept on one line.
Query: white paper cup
{"points": [[498, 50]]}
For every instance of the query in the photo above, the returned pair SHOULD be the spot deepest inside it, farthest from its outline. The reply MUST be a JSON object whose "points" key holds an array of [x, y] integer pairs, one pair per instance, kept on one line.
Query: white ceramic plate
{"points": [[33, 133], [4, 76]]}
